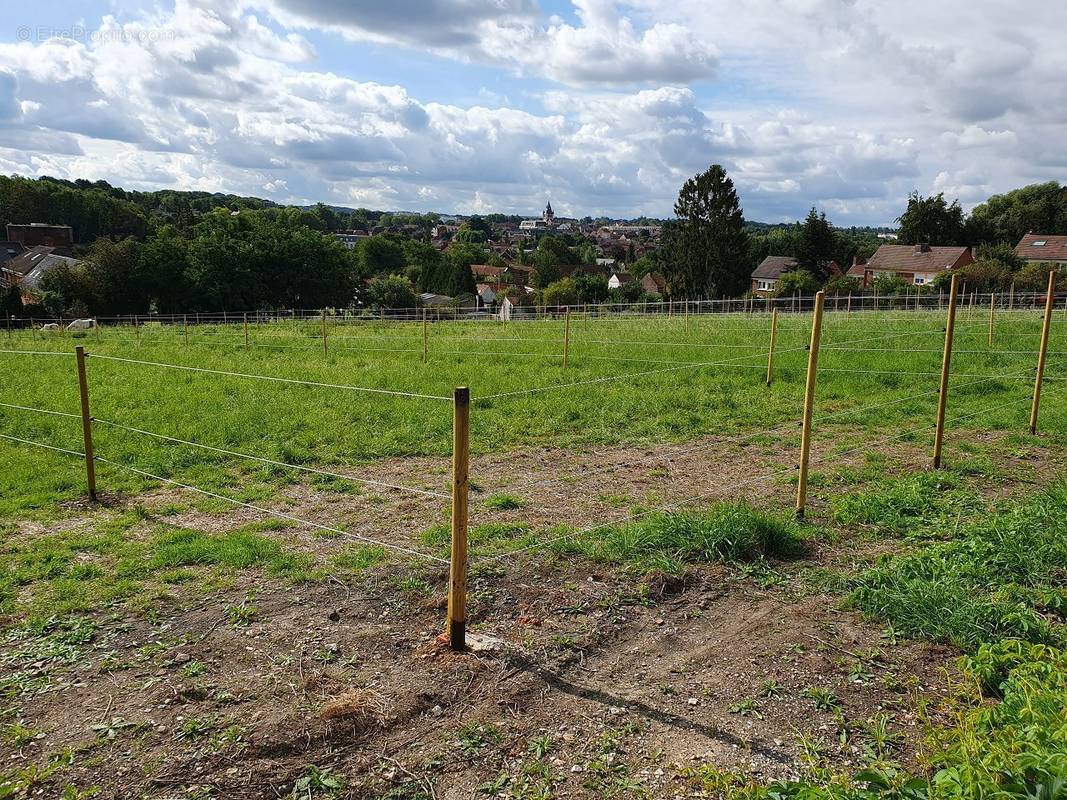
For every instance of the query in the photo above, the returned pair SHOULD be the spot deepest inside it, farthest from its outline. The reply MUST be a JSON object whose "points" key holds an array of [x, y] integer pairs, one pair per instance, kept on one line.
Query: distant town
{"points": [[79, 248]]}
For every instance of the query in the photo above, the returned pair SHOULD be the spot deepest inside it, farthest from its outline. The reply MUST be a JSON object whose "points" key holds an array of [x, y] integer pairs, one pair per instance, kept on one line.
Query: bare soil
{"points": [[636, 681]]}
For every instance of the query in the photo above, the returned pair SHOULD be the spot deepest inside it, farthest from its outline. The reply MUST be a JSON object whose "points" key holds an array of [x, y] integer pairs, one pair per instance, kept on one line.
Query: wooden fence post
{"points": [[566, 338], [457, 567], [245, 321], [770, 349], [687, 316], [325, 347], [185, 327], [87, 423], [1011, 296], [946, 364], [1042, 353], [426, 336], [137, 328], [809, 402], [848, 308], [992, 305]]}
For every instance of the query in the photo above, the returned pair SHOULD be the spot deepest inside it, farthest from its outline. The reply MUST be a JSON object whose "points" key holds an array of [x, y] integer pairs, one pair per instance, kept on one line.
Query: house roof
{"points": [[772, 267], [915, 258], [40, 258], [623, 277], [656, 280], [8, 250], [487, 270], [1030, 247]]}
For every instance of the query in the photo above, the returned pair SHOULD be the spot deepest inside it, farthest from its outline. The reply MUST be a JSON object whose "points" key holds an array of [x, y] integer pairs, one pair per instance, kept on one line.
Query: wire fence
{"points": [[758, 354]]}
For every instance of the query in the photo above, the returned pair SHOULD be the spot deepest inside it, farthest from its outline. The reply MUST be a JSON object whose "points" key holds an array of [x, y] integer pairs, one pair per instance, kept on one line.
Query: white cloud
{"points": [[845, 105]]}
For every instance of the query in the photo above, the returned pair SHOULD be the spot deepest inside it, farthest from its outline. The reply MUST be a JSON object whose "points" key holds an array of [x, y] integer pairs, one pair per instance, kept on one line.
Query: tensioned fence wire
{"points": [[272, 462], [782, 427], [346, 387], [269, 512], [571, 535]]}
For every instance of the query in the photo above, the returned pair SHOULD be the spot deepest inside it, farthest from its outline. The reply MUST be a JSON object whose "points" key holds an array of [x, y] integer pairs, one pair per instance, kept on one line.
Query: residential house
{"points": [[765, 276], [619, 279], [486, 294], [350, 238], [917, 264], [1042, 249], [34, 234], [654, 283], [27, 268]]}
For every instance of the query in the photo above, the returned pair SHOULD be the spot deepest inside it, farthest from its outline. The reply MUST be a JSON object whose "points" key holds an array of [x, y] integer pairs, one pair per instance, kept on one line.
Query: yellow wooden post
{"points": [[687, 316], [245, 321], [770, 349], [566, 338], [87, 423], [992, 305], [848, 308], [1011, 296], [457, 568], [426, 337], [325, 347], [946, 364], [809, 402], [1042, 353]]}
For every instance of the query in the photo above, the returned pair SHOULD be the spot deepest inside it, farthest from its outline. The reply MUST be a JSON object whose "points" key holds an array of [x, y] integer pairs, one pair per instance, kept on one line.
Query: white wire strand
{"points": [[300, 467]]}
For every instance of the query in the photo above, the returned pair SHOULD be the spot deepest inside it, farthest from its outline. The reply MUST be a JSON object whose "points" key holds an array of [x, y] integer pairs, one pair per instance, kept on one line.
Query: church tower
{"points": [[548, 215]]}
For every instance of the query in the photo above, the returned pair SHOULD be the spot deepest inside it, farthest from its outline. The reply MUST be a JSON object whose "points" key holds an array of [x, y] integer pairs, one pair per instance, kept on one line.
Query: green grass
{"points": [[325, 427], [923, 503], [1003, 576], [667, 541], [64, 573]]}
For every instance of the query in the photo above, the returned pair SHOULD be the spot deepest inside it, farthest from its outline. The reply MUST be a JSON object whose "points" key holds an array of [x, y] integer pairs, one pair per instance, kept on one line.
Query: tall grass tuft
{"points": [[728, 532]]}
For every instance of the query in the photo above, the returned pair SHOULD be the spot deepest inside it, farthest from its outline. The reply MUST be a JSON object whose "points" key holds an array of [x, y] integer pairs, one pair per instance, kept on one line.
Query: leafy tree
{"points": [[981, 276], [470, 236], [479, 225], [1005, 218], [889, 284], [546, 269], [842, 284], [1034, 278], [161, 271], [561, 293], [591, 288], [112, 273], [392, 291], [708, 244], [379, 255], [931, 220], [11, 301], [797, 281], [1002, 253], [816, 245], [464, 254]]}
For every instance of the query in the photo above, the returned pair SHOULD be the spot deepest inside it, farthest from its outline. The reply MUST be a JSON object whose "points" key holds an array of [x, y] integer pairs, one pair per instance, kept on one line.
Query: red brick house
{"points": [[765, 276], [917, 264], [1042, 249]]}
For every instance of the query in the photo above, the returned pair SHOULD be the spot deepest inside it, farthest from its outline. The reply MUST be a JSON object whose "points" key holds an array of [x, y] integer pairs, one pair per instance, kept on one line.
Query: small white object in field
{"points": [[81, 325]]}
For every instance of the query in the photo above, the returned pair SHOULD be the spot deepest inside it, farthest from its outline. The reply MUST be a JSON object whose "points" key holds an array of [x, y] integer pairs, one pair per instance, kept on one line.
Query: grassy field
{"points": [[878, 375], [906, 641]]}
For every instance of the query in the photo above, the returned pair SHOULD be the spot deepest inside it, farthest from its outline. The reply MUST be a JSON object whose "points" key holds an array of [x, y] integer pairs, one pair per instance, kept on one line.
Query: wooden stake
{"points": [[137, 329], [946, 364], [185, 327], [325, 348], [426, 336], [1042, 353], [457, 567], [809, 402], [770, 349], [848, 308], [87, 423], [992, 305], [1011, 296], [566, 339], [245, 320], [687, 316]]}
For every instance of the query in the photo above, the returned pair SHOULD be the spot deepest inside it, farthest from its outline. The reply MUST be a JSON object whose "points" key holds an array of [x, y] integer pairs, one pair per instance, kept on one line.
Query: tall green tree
{"points": [[708, 244], [816, 246], [931, 220]]}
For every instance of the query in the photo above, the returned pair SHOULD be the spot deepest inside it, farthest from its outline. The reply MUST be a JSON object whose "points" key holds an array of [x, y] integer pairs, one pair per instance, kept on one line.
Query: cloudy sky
{"points": [[495, 105]]}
